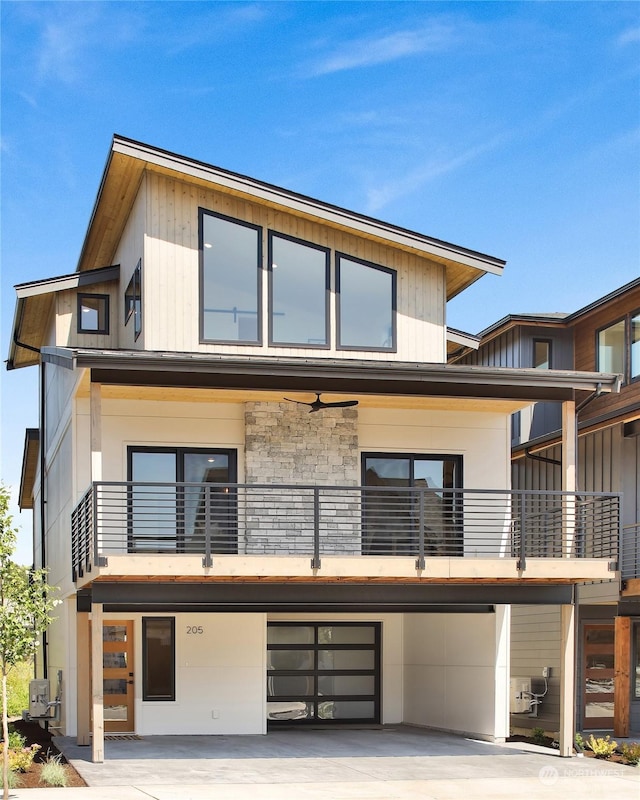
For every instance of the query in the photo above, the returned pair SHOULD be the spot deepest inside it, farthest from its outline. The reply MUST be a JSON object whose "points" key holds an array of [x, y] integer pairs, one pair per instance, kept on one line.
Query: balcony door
{"points": [[178, 497], [391, 513]]}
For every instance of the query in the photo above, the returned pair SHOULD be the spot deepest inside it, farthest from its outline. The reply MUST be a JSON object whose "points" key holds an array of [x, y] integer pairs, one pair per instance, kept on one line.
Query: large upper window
{"points": [[611, 347], [366, 305], [299, 292], [542, 353], [230, 262]]}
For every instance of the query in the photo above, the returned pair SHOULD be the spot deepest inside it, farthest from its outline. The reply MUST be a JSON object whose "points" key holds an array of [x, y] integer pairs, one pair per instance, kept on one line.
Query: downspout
{"points": [[43, 502]]}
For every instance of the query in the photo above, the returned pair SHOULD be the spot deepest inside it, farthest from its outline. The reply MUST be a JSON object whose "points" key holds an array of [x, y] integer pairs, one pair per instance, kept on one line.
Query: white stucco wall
{"points": [[455, 672]]}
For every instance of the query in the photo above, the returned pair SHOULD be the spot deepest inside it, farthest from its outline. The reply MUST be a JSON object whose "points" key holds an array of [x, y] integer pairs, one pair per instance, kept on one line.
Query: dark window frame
{"points": [[133, 300], [316, 672], [179, 452], [549, 343], [202, 212], [327, 292], [393, 348], [105, 298], [632, 314], [625, 364], [456, 511], [145, 694]]}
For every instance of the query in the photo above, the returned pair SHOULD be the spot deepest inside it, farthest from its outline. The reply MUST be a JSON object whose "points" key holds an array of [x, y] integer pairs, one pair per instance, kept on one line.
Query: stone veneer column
{"points": [[285, 444]]}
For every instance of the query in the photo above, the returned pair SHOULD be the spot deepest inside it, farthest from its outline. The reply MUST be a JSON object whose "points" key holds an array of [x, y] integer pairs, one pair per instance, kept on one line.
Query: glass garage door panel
{"points": [[323, 673]]}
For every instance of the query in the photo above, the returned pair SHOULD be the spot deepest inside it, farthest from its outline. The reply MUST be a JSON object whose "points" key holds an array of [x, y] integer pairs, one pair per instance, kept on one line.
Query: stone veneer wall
{"points": [[285, 444]]}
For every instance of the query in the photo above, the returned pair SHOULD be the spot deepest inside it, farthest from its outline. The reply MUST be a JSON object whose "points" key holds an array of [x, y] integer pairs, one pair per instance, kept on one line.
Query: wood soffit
{"points": [[126, 168]]}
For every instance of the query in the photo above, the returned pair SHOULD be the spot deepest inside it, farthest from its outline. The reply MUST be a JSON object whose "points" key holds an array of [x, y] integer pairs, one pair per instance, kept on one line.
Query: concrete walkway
{"points": [[388, 764]]}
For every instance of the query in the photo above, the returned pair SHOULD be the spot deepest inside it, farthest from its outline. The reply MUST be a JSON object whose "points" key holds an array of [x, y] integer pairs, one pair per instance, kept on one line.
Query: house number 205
{"points": [[195, 629]]}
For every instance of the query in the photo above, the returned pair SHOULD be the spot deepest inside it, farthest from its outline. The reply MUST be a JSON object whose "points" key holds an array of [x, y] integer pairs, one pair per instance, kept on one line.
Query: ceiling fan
{"points": [[319, 404]]}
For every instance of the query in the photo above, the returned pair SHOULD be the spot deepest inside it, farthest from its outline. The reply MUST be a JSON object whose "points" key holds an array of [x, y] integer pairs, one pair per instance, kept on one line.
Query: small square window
{"points": [[93, 313]]}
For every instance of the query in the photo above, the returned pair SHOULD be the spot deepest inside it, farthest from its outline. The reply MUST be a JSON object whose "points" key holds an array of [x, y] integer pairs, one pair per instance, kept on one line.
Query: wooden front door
{"points": [[118, 672], [597, 681]]}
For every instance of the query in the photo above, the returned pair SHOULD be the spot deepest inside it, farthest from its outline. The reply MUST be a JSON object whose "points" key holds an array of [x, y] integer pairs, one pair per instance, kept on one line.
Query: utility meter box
{"points": [[38, 698], [520, 695]]}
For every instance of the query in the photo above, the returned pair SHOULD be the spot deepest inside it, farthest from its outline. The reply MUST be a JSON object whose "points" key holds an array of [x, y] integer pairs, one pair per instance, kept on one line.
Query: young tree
{"points": [[26, 603]]}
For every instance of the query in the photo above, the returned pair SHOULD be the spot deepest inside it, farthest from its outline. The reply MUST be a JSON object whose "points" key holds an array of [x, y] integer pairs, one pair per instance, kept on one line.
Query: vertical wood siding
{"points": [[171, 300]]}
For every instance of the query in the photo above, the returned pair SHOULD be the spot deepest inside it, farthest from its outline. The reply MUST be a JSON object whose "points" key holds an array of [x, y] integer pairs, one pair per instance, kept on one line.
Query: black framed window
{"points": [[298, 292], [323, 672], [611, 348], [542, 353], [133, 301], [93, 313], [366, 305], [165, 517], [393, 506], [159, 658], [635, 675], [634, 346], [230, 269]]}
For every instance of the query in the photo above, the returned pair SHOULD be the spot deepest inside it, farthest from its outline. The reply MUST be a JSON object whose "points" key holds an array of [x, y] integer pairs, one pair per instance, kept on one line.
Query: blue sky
{"points": [[506, 127]]}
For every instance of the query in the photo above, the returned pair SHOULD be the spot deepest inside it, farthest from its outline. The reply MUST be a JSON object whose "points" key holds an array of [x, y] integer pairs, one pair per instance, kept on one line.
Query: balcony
{"points": [[340, 531]]}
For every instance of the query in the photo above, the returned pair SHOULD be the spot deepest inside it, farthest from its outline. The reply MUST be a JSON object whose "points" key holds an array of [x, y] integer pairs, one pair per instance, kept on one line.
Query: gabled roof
{"points": [[128, 160], [34, 306]]}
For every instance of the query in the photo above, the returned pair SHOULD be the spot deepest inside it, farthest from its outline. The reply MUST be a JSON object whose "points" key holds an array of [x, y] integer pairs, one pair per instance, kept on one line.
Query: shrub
{"points": [[20, 760], [602, 747], [14, 780], [539, 736], [54, 772], [16, 740], [580, 743], [18, 679], [631, 752]]}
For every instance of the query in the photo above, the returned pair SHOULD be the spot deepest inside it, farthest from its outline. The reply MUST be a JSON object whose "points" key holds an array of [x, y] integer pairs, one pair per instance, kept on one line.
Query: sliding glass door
{"points": [[178, 497]]}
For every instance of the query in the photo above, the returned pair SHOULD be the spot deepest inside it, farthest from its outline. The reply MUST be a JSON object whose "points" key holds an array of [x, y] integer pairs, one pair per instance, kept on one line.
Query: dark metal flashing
{"points": [[78, 279], [143, 368], [147, 596], [60, 356]]}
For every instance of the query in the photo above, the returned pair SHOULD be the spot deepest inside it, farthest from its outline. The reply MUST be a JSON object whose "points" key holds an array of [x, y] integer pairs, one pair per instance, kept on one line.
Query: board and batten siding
{"points": [[171, 276], [67, 318], [129, 252], [535, 643]]}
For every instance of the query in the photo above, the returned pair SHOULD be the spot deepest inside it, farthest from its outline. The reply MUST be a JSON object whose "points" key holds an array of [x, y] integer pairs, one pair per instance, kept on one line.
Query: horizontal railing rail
{"points": [[630, 551], [315, 521]]}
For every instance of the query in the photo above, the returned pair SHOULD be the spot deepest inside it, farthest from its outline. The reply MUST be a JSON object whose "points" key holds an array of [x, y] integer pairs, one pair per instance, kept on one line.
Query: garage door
{"points": [[323, 673]]}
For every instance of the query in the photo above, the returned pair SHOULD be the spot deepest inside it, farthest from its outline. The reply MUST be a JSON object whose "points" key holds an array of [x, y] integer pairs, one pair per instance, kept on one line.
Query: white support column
{"points": [[83, 682], [97, 697], [567, 680], [95, 405], [569, 479], [502, 671]]}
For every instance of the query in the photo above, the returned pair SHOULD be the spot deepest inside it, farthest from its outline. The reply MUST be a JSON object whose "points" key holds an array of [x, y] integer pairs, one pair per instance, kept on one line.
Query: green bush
{"points": [[14, 780], [54, 772], [580, 743], [18, 688], [539, 736], [602, 747], [16, 740], [631, 752]]}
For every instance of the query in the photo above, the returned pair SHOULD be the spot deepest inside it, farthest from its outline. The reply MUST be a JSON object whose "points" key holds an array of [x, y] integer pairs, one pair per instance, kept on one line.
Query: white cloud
{"points": [[381, 49], [629, 36], [385, 193]]}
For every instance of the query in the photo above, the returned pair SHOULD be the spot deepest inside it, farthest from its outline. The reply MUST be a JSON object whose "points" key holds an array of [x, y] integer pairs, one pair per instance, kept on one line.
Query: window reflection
{"points": [[367, 303]]}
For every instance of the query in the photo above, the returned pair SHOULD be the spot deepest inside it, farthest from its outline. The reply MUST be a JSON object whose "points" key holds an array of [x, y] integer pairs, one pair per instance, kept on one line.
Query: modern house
{"points": [[264, 494], [605, 335]]}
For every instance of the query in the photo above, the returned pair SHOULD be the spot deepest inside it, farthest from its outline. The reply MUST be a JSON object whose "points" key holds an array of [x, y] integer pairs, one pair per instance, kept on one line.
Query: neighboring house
{"points": [[604, 335], [229, 560]]}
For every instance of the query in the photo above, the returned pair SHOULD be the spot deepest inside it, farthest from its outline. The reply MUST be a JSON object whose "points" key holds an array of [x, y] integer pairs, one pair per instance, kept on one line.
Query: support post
{"points": [[95, 409], [569, 481], [621, 676], [97, 697], [567, 679], [83, 680]]}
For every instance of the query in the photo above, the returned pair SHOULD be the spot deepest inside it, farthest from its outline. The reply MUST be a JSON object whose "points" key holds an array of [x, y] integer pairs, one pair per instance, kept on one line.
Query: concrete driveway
{"points": [[385, 764]]}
